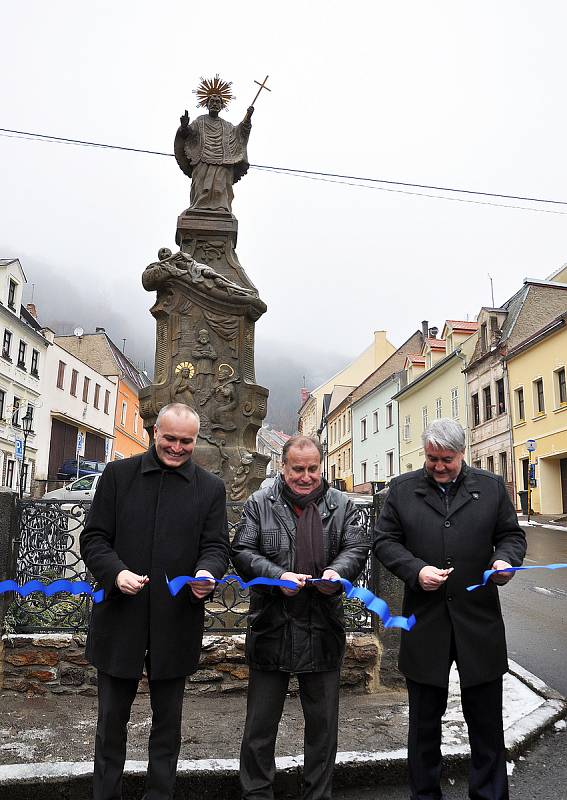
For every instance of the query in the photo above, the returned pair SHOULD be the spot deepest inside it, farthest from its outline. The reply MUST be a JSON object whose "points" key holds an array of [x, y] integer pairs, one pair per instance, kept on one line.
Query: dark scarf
{"points": [[310, 552]]}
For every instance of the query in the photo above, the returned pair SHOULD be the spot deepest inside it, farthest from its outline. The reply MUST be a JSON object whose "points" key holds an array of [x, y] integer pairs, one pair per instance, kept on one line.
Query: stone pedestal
{"points": [[205, 313]]}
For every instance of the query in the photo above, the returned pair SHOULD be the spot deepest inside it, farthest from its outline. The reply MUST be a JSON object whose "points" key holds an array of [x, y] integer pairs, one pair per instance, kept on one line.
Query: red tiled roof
{"points": [[461, 325], [435, 344], [415, 358]]}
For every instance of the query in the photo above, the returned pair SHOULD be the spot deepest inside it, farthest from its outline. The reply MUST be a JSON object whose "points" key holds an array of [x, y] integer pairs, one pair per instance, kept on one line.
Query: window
{"points": [[363, 430], [407, 428], [123, 413], [490, 463], [389, 463], [501, 397], [24, 476], [363, 472], [477, 463], [424, 417], [96, 399], [10, 464], [487, 402], [455, 402], [34, 363], [22, 354], [73, 387], [503, 459], [60, 374], [348, 420], [16, 412], [7, 344], [375, 422], [376, 470], [560, 387], [12, 295], [29, 412], [438, 408], [86, 384], [539, 400], [2, 403], [475, 410], [389, 415], [106, 401], [136, 422], [520, 405]]}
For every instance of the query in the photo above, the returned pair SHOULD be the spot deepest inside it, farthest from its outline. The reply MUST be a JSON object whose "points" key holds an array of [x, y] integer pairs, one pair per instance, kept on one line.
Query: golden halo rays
{"points": [[209, 87]]}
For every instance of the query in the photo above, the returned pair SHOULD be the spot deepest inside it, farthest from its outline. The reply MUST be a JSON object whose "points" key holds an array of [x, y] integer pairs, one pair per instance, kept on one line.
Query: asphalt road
{"points": [[534, 604]]}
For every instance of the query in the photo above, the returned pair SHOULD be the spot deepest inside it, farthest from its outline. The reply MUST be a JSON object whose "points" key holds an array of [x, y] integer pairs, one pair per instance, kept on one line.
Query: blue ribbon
{"points": [[176, 584], [374, 604], [488, 572], [49, 589]]}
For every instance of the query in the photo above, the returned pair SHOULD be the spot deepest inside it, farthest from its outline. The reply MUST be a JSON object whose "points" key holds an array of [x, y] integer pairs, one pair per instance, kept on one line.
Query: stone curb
{"points": [[208, 779]]}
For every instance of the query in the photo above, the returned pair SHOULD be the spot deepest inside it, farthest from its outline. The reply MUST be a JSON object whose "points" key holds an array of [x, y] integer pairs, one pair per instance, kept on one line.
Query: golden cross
{"points": [[262, 86]]}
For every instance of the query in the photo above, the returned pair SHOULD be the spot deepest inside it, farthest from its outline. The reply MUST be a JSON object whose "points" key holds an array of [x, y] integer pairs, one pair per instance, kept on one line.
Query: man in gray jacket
{"points": [[296, 530]]}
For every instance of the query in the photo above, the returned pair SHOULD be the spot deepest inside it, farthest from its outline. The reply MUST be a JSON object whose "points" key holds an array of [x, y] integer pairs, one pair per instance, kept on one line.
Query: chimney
{"points": [[425, 328], [433, 332], [304, 395], [100, 330], [32, 310]]}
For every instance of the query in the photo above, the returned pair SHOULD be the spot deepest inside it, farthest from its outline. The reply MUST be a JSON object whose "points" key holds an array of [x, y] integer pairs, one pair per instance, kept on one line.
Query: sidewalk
{"points": [[46, 745]]}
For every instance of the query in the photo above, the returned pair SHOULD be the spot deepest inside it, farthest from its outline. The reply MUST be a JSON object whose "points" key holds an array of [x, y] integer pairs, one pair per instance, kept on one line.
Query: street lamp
{"points": [[27, 422]]}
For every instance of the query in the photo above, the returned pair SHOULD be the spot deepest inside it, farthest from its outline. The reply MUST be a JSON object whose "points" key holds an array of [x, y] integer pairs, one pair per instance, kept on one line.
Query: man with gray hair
{"points": [[440, 528], [153, 516]]}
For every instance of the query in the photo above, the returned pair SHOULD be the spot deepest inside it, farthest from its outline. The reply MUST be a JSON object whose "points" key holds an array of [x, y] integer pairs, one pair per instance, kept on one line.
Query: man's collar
{"points": [[151, 463]]}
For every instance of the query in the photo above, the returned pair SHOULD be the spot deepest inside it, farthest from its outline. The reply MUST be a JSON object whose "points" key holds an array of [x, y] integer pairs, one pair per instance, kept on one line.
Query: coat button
{"points": [[450, 597], [449, 561], [447, 523]]}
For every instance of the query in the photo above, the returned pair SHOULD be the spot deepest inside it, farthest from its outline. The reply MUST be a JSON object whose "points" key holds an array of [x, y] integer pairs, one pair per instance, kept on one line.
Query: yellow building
{"points": [[538, 389], [339, 437], [436, 388], [352, 375]]}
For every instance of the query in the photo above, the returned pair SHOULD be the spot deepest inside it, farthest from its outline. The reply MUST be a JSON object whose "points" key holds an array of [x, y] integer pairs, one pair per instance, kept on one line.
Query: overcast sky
{"points": [[450, 93]]}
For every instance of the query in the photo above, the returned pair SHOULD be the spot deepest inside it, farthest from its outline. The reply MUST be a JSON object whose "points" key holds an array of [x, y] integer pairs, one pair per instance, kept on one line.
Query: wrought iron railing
{"points": [[48, 549]]}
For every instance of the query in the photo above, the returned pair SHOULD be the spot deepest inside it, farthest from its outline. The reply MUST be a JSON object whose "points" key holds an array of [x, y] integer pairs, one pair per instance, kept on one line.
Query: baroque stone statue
{"points": [[211, 151], [206, 305]]}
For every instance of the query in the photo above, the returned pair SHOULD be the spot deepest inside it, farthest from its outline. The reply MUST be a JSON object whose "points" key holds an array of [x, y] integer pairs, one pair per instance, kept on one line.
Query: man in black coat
{"points": [[440, 528], [297, 529], [154, 516]]}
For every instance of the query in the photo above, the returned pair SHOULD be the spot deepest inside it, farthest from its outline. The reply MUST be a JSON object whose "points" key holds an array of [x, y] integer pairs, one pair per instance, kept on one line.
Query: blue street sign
{"points": [[19, 449], [531, 445]]}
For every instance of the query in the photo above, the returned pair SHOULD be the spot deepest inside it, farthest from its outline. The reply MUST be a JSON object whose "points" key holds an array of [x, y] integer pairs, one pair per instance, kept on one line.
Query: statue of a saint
{"points": [[183, 390], [212, 151], [225, 399], [204, 354]]}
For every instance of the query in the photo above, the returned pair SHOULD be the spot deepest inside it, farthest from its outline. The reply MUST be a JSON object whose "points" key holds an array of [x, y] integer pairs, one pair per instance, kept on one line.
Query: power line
{"points": [[330, 177]]}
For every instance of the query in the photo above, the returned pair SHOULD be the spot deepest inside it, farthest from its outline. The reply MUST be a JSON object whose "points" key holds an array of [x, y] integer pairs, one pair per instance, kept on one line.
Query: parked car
{"points": [[81, 489], [68, 469]]}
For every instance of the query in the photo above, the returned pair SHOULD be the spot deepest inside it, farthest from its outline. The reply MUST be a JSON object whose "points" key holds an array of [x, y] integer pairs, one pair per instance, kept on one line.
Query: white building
{"points": [[76, 398], [22, 365], [375, 428]]}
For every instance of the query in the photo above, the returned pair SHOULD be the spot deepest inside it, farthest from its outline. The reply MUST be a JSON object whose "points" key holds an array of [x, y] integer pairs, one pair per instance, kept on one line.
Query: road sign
{"points": [[19, 449], [531, 445], [80, 443]]}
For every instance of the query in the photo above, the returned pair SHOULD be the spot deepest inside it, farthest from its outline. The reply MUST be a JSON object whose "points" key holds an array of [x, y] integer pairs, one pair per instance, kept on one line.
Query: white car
{"points": [[81, 489]]}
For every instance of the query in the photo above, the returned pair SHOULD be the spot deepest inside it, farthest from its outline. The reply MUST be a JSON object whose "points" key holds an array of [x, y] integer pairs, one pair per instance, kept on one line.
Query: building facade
{"points": [[375, 419], [99, 352], [538, 389], [76, 399], [338, 468], [438, 390], [22, 368]]}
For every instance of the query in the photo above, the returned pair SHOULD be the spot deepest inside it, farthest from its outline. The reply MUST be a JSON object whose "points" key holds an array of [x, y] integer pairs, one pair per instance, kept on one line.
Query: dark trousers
{"points": [[482, 709], [319, 694], [115, 698]]}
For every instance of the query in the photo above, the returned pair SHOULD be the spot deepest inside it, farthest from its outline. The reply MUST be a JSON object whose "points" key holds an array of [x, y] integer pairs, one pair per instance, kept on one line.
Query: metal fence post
{"points": [[8, 544], [390, 589]]}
